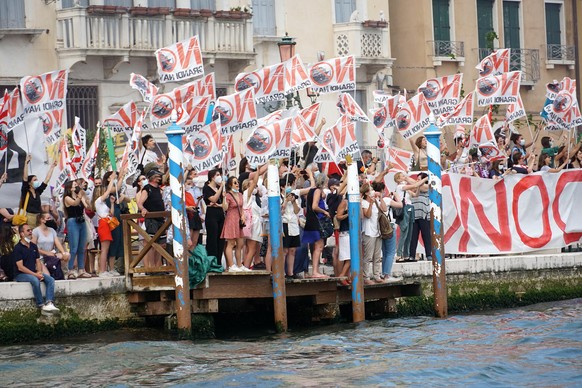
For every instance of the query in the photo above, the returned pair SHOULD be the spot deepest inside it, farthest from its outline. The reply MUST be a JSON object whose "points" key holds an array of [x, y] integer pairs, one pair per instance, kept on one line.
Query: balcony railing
{"points": [[448, 48], [525, 60], [125, 34], [558, 54]]}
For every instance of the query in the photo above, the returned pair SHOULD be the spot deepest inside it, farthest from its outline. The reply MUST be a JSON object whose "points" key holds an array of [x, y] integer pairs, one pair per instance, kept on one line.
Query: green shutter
{"points": [[553, 33], [484, 20], [511, 24], [440, 16]]}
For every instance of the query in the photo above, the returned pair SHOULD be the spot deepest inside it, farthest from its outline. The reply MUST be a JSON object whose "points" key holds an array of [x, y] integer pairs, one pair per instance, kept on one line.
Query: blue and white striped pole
{"points": [[358, 306], [439, 280], [180, 244], [277, 256]]}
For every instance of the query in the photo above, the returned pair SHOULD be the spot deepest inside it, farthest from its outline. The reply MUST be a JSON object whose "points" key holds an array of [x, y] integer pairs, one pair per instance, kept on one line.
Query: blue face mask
{"points": [[235, 190], [36, 184], [288, 190]]}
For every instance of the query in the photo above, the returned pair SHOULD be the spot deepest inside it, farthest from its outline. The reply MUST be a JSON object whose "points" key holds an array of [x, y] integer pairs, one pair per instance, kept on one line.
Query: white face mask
{"points": [[522, 142], [218, 179], [188, 187], [27, 240]]}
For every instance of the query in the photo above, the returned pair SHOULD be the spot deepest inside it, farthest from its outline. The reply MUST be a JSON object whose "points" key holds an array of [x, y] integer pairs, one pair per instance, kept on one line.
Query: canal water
{"points": [[539, 345]]}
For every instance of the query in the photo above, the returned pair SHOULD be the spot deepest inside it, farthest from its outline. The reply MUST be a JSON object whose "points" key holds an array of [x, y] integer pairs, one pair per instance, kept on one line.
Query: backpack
{"points": [[398, 213], [384, 224], [53, 264], [8, 266]]}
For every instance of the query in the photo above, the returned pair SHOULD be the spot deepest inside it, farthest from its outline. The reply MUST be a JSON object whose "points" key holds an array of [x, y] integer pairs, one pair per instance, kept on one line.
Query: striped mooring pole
{"points": [[435, 190], [180, 244], [358, 305], [277, 256]]}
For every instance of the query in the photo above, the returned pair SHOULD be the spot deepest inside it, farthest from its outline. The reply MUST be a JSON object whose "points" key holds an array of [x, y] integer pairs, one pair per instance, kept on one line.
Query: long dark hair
{"points": [[6, 239], [68, 192], [212, 174]]}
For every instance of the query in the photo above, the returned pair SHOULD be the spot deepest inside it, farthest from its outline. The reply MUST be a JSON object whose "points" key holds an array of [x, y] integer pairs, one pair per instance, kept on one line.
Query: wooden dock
{"points": [[152, 290]]}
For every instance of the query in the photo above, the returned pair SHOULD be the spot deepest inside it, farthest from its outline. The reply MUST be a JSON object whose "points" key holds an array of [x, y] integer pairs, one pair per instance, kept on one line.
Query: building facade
{"points": [[397, 44], [450, 36]]}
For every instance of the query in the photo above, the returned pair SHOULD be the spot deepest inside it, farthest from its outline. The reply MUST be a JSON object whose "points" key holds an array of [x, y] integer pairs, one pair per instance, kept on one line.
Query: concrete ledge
{"points": [[12, 291], [492, 264]]}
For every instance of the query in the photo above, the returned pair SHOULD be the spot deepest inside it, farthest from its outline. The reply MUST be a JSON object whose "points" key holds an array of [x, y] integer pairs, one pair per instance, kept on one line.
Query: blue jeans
{"points": [[405, 232], [33, 280], [77, 236], [388, 252]]}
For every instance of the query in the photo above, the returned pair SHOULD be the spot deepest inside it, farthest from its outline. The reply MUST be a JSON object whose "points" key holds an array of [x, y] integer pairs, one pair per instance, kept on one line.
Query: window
{"points": [[511, 33], [484, 21], [441, 21], [264, 18], [203, 4], [344, 10], [554, 31], [82, 101], [119, 3], [12, 14], [162, 3], [73, 3]]}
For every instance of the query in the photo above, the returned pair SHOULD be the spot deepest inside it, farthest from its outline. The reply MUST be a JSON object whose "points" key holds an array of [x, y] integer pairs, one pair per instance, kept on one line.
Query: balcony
{"points": [[368, 42], [558, 54], [448, 51], [525, 60], [118, 36]]}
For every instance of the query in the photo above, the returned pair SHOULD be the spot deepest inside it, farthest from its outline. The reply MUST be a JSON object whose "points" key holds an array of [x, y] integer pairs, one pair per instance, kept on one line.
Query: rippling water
{"points": [[536, 346]]}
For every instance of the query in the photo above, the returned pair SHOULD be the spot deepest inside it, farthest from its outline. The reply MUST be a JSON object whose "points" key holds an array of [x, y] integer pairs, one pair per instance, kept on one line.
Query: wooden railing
{"points": [[135, 252]]}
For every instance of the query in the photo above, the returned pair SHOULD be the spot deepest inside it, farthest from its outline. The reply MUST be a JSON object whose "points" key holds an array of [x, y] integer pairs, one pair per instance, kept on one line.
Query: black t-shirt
{"points": [[154, 201], [242, 177], [75, 211], [333, 202], [34, 204], [28, 256], [208, 192]]}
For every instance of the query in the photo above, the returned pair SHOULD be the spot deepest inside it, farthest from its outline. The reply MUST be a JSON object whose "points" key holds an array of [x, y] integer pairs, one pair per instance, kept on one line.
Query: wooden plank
{"points": [[309, 288], [153, 283], [325, 297], [235, 287], [158, 308], [164, 268], [205, 306], [136, 297]]}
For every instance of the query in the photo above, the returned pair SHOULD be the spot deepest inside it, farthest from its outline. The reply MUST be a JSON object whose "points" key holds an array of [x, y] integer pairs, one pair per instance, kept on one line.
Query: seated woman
{"points": [[48, 242]]}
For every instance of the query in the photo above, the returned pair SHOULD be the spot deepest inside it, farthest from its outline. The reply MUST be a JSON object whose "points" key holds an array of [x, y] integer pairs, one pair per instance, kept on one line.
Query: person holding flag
{"points": [[32, 188]]}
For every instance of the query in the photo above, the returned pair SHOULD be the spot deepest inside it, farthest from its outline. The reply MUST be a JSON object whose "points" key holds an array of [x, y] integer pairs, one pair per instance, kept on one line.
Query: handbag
{"points": [[20, 217], [113, 222], [398, 213], [325, 227], [241, 221]]}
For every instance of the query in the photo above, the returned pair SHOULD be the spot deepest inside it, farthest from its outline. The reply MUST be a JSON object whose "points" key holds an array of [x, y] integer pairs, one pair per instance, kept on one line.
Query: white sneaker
{"points": [[114, 273], [234, 268], [49, 307], [245, 269], [105, 274]]}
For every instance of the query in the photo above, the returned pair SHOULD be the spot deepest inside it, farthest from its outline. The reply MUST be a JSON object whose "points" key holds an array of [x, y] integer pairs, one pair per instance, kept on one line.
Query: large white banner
{"points": [[519, 213], [180, 61], [334, 75]]}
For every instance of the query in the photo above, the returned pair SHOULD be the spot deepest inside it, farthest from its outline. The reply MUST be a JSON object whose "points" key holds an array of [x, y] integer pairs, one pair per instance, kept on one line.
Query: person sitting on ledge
{"points": [[30, 269]]}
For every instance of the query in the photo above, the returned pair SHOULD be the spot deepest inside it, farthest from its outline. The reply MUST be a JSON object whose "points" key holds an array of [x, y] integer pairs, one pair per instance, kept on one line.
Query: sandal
{"points": [[71, 276], [84, 275]]}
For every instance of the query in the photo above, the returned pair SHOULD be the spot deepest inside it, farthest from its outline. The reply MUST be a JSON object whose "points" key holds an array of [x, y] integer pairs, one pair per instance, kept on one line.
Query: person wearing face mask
{"points": [[75, 203], [371, 241], [212, 195], [234, 224], [520, 145], [151, 200], [29, 269], [47, 241], [32, 188], [254, 222], [421, 225], [194, 221]]}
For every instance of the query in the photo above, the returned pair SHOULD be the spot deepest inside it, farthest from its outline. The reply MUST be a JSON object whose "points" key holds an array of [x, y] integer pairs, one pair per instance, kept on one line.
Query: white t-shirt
{"points": [[389, 202], [370, 225], [400, 191], [290, 218], [101, 209], [149, 157]]}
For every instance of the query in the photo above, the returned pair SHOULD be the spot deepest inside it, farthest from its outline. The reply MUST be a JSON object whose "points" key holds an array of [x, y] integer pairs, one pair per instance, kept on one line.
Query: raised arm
{"points": [[50, 173]]}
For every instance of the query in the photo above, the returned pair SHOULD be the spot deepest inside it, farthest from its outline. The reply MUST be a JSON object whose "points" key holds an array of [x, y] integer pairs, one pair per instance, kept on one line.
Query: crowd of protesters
{"points": [[229, 214]]}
